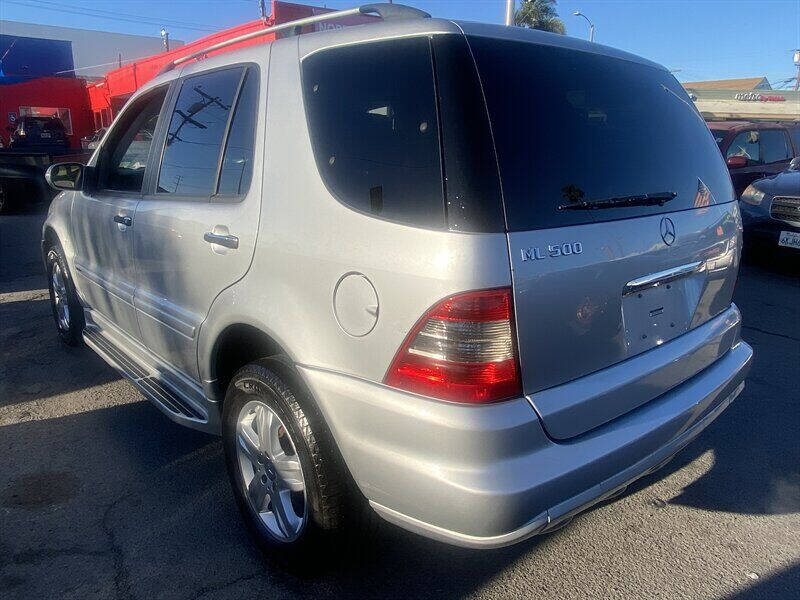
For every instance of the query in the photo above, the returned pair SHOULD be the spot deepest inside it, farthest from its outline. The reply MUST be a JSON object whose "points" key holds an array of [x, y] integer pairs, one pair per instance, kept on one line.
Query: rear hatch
{"points": [[621, 227], [44, 131]]}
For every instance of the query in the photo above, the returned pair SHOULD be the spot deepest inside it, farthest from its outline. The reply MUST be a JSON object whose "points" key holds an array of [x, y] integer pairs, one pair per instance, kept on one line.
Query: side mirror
{"points": [[65, 176], [794, 164], [736, 162]]}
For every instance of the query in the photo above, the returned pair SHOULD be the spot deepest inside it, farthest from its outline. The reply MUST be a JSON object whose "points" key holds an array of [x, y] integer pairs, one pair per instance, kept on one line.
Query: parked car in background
{"points": [[90, 142], [337, 286], [754, 150], [771, 209], [39, 133]]}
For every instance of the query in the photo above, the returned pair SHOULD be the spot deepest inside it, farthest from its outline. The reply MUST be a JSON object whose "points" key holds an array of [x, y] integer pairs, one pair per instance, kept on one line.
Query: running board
{"points": [[172, 404]]}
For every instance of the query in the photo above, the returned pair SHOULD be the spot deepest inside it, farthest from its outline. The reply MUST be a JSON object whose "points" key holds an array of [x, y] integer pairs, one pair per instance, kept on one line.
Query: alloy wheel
{"points": [[271, 472], [60, 297]]}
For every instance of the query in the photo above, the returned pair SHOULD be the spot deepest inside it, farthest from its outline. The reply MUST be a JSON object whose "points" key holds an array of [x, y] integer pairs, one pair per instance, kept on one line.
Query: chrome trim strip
{"points": [[165, 313], [123, 292], [655, 279]]}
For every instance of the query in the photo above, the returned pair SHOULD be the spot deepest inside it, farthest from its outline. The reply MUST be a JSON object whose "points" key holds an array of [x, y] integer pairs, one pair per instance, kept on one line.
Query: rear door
{"points": [[196, 228], [597, 280]]}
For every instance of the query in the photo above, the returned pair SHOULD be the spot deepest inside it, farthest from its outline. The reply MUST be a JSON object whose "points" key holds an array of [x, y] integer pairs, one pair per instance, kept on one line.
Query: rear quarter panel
{"points": [[308, 241]]}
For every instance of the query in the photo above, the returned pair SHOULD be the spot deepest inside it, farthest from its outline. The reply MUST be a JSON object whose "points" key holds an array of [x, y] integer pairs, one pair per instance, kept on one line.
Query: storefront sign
{"points": [[756, 97]]}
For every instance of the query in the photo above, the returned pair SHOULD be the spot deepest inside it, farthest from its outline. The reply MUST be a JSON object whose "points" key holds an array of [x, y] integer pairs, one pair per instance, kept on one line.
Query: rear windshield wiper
{"points": [[654, 199]]}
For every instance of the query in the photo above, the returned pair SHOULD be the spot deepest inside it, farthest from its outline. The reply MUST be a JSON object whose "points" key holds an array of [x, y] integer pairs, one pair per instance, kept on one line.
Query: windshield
{"points": [[719, 136], [572, 126]]}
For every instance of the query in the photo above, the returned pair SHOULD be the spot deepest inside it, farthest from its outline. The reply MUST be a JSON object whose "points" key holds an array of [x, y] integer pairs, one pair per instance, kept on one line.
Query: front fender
{"points": [[57, 226]]}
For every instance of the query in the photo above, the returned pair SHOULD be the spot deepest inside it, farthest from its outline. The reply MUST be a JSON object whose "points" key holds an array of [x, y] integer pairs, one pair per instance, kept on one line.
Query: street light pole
{"points": [[509, 12], [578, 13]]}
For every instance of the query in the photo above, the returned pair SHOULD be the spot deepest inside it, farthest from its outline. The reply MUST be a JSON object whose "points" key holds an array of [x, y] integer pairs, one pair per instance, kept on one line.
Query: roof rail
{"points": [[384, 10]]}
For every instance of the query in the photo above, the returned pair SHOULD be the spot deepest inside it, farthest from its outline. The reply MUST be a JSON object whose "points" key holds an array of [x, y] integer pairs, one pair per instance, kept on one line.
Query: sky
{"points": [[697, 39]]}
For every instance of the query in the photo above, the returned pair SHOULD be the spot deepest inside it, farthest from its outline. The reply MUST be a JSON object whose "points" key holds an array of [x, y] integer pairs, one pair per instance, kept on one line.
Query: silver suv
{"points": [[476, 278]]}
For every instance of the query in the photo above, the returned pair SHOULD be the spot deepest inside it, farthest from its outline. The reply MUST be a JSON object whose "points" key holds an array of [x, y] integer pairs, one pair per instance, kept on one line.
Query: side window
{"points": [[196, 132], [372, 116], [774, 146], [745, 144], [237, 161], [794, 132], [123, 157]]}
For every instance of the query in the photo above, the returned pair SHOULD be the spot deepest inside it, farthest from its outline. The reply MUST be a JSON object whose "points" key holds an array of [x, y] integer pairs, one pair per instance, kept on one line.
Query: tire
{"points": [[67, 309], [5, 202], [256, 397]]}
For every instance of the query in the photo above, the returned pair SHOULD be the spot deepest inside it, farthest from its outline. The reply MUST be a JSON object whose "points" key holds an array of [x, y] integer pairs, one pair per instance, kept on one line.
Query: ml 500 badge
{"points": [[552, 251]]}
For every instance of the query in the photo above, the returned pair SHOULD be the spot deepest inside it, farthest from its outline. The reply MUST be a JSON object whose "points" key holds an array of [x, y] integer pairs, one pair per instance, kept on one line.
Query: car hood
{"points": [[782, 184]]}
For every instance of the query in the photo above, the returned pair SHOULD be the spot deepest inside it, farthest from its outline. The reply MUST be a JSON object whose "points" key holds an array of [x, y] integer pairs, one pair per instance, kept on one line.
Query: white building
{"points": [[90, 47]]}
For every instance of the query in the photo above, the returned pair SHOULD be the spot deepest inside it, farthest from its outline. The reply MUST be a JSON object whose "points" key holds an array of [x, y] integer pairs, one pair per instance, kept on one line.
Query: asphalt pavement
{"points": [[103, 497]]}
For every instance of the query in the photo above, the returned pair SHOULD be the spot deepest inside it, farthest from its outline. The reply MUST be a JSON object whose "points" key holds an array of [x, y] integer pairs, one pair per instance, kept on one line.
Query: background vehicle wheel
{"points": [[5, 205], [285, 475], [67, 309]]}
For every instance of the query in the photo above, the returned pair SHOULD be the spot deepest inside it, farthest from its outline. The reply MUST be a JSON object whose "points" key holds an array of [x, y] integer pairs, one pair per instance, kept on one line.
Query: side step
{"points": [[176, 407]]}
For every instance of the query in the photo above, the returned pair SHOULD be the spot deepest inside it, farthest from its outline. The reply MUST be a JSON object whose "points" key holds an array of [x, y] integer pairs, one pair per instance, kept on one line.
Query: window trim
{"points": [[427, 36], [116, 124], [151, 192]]}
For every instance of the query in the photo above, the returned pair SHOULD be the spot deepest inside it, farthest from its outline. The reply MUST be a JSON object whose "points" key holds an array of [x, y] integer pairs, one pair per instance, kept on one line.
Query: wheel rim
{"points": [[60, 297], [272, 476]]}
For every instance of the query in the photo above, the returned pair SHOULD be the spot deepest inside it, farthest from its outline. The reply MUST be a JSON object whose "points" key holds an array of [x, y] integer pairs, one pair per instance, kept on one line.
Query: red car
{"points": [[754, 150]]}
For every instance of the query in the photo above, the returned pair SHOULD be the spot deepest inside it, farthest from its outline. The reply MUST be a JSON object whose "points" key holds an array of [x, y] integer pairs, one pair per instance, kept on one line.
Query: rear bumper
{"points": [[489, 476]]}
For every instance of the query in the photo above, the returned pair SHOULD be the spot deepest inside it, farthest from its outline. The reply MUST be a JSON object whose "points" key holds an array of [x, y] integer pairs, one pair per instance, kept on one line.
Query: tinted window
{"points": [[774, 146], [237, 162], [472, 187], [196, 132], [575, 126], [123, 157], [372, 115], [745, 144], [794, 133]]}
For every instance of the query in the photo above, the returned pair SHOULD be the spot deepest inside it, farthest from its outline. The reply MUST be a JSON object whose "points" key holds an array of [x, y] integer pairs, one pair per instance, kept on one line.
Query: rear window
{"points": [[794, 133], [372, 115], [775, 146], [573, 126]]}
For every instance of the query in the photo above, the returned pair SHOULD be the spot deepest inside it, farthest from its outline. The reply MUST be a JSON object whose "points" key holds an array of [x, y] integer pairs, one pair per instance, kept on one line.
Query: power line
{"points": [[113, 16]]}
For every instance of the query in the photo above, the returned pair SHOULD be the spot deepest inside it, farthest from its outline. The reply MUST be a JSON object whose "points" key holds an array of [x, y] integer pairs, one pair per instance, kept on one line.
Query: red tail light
{"points": [[461, 350]]}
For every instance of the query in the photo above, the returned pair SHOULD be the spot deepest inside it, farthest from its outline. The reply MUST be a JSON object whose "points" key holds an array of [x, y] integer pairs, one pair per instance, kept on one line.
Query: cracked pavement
{"points": [[103, 497]]}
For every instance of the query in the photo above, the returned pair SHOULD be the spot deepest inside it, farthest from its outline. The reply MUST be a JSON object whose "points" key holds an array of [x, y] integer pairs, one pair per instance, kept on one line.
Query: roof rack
{"points": [[384, 10]]}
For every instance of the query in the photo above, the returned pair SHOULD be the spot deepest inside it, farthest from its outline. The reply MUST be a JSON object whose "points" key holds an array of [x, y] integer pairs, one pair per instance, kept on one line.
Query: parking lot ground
{"points": [[103, 497]]}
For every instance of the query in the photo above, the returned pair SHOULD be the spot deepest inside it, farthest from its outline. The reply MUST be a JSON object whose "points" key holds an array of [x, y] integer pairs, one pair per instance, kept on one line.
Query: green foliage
{"points": [[539, 14]]}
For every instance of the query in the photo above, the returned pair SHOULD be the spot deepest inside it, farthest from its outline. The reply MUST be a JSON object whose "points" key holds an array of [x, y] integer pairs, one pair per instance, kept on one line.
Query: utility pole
{"points": [[578, 13], [165, 39], [797, 64], [509, 12]]}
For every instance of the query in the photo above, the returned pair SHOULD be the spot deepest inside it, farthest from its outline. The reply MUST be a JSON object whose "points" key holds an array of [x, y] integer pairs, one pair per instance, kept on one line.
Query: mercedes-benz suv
{"points": [[476, 278]]}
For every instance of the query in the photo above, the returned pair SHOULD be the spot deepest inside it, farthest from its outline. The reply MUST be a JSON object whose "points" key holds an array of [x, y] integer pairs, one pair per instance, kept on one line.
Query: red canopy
{"points": [[120, 83]]}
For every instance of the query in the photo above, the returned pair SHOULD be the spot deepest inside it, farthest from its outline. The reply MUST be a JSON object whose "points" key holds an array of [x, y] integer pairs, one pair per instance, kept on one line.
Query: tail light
{"points": [[461, 350]]}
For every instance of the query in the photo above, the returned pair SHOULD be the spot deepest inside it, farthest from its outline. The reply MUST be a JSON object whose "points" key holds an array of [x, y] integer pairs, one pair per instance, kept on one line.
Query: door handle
{"points": [[123, 220], [229, 241]]}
